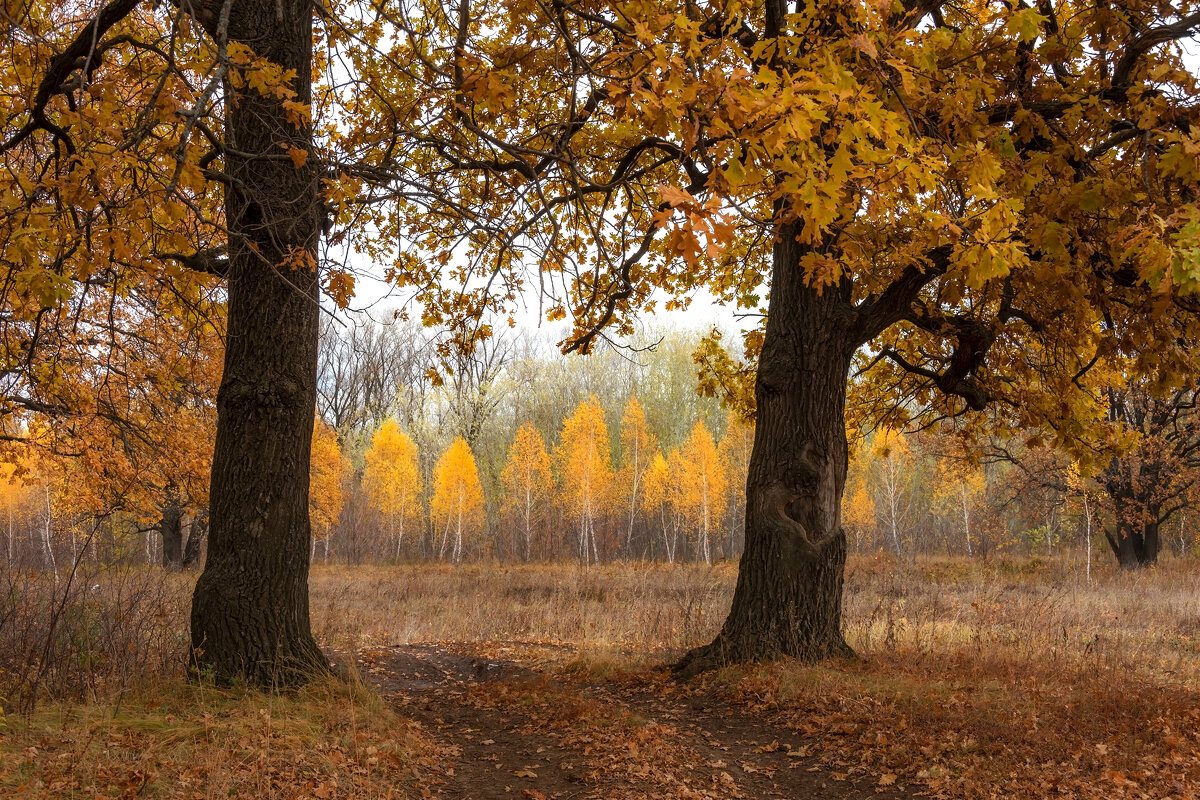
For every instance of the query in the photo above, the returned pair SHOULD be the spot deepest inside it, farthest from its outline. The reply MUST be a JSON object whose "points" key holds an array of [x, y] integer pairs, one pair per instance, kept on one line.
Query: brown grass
{"points": [[983, 614], [1007, 679], [186, 741], [1013, 678], [641, 609], [95, 634]]}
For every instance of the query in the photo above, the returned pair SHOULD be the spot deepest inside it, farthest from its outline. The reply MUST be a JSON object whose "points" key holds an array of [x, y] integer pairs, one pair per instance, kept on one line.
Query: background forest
{"points": [[433, 483], [519, 454]]}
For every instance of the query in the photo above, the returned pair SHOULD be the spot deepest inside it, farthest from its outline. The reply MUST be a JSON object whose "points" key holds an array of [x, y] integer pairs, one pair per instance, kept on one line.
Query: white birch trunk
{"points": [[47, 540], [1087, 514]]}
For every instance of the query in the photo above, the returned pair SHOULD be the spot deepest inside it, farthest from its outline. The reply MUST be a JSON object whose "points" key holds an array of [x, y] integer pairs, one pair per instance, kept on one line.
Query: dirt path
{"points": [[508, 723]]}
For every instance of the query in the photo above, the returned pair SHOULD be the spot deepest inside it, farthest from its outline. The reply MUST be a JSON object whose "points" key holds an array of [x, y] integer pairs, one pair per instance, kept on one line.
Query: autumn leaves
{"points": [[457, 504], [392, 480], [570, 500], [683, 496]]}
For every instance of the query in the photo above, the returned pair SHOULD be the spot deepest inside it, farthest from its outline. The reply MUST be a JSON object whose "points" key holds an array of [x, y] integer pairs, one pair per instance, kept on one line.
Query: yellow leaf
{"points": [[298, 155], [675, 197], [861, 42]]}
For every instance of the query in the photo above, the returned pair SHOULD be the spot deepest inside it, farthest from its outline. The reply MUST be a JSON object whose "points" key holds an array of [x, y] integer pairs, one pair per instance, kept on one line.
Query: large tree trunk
{"points": [[1135, 546], [1134, 536], [197, 531], [170, 527], [788, 599], [250, 617]]}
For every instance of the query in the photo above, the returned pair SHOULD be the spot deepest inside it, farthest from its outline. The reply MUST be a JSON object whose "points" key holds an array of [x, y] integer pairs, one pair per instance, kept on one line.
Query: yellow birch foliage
{"points": [[585, 471], [637, 447], [702, 487], [957, 493], [457, 505], [15, 498], [892, 480], [327, 469], [858, 506], [734, 452], [658, 483], [12, 488], [656, 497], [527, 482], [392, 479]]}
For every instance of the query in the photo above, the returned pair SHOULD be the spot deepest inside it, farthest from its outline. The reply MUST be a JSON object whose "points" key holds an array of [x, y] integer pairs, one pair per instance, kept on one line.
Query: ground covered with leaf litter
{"points": [[523, 721], [537, 721]]}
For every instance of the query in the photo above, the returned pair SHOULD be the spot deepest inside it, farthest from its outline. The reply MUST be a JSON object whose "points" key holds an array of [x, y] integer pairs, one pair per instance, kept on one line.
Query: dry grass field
{"points": [[1042, 615], [1005, 679]]}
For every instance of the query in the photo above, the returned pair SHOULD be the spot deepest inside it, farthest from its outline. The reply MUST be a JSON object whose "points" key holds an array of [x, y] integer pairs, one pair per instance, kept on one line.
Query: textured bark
{"points": [[788, 599], [1135, 546], [171, 529], [1131, 485], [197, 532], [250, 617]]}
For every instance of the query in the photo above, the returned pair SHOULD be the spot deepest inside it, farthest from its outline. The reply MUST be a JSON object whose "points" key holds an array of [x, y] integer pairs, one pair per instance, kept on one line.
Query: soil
{"points": [[519, 721]]}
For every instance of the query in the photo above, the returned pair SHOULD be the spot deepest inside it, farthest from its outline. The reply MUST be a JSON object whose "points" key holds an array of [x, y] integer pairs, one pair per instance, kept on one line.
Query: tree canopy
{"points": [[971, 206]]}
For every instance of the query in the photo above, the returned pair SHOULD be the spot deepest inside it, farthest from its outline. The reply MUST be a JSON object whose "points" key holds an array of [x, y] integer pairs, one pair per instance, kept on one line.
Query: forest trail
{"points": [[515, 721]]}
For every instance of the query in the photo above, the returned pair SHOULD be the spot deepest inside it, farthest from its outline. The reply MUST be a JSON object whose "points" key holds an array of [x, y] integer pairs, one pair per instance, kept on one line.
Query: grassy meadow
{"points": [[970, 674]]}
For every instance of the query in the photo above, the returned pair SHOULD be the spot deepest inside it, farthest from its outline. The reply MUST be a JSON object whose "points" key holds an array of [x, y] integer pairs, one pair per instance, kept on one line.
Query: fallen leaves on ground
{"points": [[967, 728], [330, 741]]}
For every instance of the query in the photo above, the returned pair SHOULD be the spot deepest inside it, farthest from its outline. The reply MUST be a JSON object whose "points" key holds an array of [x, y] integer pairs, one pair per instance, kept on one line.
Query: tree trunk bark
{"points": [[788, 599], [1124, 545], [1135, 541], [197, 531], [1135, 547], [966, 520], [1087, 511], [47, 539], [250, 616], [170, 527], [1150, 541]]}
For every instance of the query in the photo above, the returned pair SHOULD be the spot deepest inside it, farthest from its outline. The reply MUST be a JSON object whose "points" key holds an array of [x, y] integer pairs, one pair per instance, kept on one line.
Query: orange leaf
{"points": [[298, 155]]}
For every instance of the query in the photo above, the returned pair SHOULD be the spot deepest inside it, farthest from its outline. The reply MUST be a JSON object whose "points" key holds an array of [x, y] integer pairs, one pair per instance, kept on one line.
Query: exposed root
{"points": [[719, 653], [699, 660]]}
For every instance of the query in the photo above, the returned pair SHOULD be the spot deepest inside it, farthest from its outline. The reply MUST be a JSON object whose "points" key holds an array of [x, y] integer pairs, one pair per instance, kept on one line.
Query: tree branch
{"points": [[79, 54]]}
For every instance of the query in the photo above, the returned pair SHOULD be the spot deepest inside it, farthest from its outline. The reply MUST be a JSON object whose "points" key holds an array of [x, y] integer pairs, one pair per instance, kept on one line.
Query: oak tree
{"points": [[144, 142], [969, 204], [1155, 464]]}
